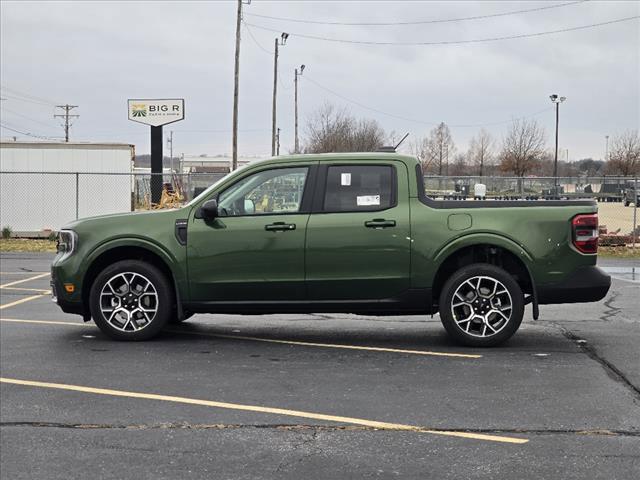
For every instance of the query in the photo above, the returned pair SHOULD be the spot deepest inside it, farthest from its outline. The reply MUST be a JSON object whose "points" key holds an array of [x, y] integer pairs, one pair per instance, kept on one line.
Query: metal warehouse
{"points": [[44, 185]]}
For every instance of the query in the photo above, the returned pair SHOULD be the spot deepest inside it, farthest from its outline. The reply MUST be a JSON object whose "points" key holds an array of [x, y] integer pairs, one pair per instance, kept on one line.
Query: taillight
{"points": [[585, 232]]}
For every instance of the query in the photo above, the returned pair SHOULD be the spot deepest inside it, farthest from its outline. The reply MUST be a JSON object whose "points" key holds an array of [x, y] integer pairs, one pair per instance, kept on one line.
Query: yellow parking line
{"points": [[268, 410], [22, 300], [28, 289], [46, 322], [330, 345], [19, 273], [24, 280], [285, 342]]}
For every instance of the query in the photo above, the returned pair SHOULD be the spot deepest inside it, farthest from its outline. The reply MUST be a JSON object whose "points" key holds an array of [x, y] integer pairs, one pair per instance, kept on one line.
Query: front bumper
{"points": [[585, 284], [58, 296]]}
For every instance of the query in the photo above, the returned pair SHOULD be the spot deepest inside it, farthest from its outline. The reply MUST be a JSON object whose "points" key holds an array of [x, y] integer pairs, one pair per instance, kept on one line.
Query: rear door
{"points": [[358, 236]]}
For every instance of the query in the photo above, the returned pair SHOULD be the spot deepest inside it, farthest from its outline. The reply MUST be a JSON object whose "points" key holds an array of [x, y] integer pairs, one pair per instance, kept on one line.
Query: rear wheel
{"points": [[481, 305], [131, 300]]}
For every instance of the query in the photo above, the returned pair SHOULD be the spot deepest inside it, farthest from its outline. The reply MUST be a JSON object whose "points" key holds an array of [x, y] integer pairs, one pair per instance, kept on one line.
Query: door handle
{"points": [[380, 223], [280, 227]]}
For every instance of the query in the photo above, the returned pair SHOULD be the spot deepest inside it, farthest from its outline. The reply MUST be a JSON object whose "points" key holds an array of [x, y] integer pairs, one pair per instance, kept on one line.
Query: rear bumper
{"points": [[586, 284]]}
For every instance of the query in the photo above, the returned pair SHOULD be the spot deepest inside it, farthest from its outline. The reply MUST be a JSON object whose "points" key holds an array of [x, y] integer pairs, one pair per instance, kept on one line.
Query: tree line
{"points": [[522, 151]]}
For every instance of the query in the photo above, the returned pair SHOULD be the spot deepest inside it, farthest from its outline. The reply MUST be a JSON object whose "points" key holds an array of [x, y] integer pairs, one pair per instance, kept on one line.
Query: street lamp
{"points": [[282, 41], [296, 147], [557, 100]]}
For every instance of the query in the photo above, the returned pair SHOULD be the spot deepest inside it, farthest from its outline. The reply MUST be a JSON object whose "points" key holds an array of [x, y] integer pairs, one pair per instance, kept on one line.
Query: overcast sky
{"points": [[99, 54]]}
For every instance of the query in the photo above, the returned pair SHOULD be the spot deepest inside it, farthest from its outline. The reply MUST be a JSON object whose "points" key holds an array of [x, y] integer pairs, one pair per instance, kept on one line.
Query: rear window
{"points": [[353, 188]]}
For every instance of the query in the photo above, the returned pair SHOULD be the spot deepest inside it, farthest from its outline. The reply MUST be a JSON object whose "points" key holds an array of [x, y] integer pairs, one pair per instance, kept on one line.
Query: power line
{"points": [[26, 117], [26, 133], [415, 22], [254, 39], [413, 120], [29, 97], [451, 42], [25, 100]]}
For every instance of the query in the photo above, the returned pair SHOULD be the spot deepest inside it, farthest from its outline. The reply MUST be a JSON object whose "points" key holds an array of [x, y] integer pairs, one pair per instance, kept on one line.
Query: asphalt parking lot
{"points": [[318, 396]]}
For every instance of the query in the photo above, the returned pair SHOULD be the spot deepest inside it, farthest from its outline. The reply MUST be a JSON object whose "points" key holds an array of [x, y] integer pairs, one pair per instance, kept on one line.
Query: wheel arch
{"points": [[135, 249], [494, 250]]}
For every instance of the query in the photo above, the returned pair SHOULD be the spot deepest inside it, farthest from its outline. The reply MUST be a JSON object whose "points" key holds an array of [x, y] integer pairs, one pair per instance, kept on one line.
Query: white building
{"points": [[44, 185]]}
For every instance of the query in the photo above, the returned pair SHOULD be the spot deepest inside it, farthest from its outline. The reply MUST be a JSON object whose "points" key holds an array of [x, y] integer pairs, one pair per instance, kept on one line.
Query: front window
{"points": [[265, 193]]}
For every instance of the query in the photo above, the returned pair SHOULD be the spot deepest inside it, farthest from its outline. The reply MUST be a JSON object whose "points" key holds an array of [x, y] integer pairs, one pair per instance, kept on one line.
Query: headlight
{"points": [[67, 242]]}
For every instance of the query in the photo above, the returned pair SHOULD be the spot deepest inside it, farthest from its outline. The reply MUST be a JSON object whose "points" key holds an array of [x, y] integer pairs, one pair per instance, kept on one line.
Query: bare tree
{"points": [[481, 150], [420, 149], [522, 148], [439, 148], [624, 154], [459, 166], [334, 130]]}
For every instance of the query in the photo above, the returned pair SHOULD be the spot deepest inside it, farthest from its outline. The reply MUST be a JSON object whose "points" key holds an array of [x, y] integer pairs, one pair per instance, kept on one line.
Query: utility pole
{"points": [[67, 108], [236, 86], [278, 41], [296, 148], [606, 148], [557, 100], [278, 142]]}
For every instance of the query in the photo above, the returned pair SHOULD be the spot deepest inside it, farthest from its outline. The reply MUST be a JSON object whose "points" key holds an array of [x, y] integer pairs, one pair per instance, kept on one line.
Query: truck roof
{"points": [[347, 157]]}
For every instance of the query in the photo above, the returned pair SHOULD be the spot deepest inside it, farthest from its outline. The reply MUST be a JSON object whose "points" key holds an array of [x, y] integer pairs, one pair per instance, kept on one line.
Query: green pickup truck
{"points": [[352, 233]]}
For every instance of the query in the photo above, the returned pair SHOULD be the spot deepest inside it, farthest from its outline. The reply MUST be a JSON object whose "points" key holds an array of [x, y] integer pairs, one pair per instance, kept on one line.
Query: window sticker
{"points": [[367, 200], [345, 179]]}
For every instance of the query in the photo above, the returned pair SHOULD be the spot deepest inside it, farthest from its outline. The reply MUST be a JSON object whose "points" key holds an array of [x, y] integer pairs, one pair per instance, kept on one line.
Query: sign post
{"points": [[156, 113]]}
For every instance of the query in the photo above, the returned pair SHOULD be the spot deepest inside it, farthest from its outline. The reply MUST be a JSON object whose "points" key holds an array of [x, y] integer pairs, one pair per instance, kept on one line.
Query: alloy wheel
{"points": [[129, 301], [481, 306]]}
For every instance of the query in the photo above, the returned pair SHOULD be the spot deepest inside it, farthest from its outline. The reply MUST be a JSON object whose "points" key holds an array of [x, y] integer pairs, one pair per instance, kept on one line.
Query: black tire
{"points": [[627, 203], [145, 327], [504, 329]]}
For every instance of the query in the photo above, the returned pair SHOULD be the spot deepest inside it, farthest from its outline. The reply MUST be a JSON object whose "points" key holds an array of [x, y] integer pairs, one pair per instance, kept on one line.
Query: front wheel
{"points": [[481, 305], [131, 300]]}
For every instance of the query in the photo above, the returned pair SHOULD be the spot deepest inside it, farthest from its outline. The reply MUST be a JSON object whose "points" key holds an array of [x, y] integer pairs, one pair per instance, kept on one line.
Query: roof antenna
{"points": [[403, 139]]}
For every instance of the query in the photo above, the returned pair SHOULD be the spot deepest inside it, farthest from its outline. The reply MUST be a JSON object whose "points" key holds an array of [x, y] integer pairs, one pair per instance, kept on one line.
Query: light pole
{"points": [[278, 41], [296, 148], [278, 142], [606, 148], [557, 100]]}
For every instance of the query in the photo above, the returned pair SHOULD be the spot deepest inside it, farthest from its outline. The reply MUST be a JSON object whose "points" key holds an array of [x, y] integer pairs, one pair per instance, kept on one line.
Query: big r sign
{"points": [[156, 112]]}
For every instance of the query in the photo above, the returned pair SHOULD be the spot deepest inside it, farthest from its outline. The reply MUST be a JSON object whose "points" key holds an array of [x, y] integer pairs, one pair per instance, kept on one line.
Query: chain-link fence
{"points": [[35, 203], [617, 197]]}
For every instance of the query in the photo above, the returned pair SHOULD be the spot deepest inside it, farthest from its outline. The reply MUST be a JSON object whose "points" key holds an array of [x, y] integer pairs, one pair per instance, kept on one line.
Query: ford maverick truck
{"points": [[351, 233]]}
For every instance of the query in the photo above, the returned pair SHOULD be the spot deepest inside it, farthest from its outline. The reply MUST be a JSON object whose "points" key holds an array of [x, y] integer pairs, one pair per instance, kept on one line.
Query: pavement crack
{"points": [[313, 430], [612, 371], [612, 311]]}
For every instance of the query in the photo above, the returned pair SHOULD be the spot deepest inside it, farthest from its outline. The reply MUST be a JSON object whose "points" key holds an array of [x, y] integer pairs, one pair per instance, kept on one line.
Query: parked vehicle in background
{"points": [[349, 233], [631, 195]]}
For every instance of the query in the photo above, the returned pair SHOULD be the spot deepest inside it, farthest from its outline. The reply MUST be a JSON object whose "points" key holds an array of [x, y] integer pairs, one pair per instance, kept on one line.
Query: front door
{"points": [[358, 236], [254, 250]]}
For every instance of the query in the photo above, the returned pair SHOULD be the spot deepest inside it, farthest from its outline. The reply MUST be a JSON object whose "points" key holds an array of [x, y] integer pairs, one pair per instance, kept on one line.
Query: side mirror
{"points": [[209, 209]]}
